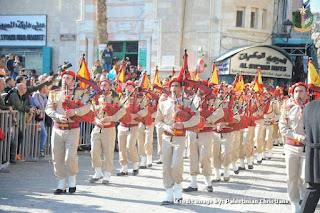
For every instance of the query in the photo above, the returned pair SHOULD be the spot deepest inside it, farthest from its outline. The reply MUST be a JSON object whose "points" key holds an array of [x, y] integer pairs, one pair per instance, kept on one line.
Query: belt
{"points": [[64, 126], [293, 142], [224, 130], [128, 125], [177, 132], [109, 126], [206, 129]]}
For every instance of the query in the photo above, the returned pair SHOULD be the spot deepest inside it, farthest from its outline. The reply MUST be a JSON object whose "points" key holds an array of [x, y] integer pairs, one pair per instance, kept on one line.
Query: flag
{"points": [[122, 74], [239, 85], [144, 82], [214, 79], [258, 82], [313, 76], [84, 73], [157, 79], [196, 77], [173, 73]]}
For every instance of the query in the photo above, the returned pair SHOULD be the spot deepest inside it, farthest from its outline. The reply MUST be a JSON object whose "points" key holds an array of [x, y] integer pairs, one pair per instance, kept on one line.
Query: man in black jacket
{"points": [[311, 120]]}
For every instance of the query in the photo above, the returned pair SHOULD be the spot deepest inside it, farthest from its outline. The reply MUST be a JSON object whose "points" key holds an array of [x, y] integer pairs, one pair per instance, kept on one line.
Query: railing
{"points": [[29, 132]]}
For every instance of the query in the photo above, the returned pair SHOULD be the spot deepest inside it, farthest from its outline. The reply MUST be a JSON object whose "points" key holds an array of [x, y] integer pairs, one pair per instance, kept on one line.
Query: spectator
{"points": [[24, 72], [2, 74], [51, 73], [33, 73], [3, 62], [10, 66], [9, 84], [104, 74], [17, 64], [139, 70], [96, 68], [39, 100], [2, 103], [106, 57], [17, 99]]}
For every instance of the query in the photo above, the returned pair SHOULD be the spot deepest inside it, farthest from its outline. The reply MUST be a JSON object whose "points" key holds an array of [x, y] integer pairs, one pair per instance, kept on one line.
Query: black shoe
{"points": [[241, 168], [72, 189], [59, 191], [42, 155], [135, 172], [164, 203], [190, 189], [142, 167], [149, 166], [236, 172], [250, 166], [122, 173], [259, 161], [209, 188], [159, 162], [178, 200]]}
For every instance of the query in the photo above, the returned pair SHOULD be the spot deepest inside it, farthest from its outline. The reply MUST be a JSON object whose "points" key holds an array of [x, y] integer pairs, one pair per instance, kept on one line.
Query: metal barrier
{"points": [[28, 132]]}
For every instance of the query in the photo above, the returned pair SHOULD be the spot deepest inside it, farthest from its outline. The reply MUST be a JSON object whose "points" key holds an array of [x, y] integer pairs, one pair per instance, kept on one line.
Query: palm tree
{"points": [[101, 21]]}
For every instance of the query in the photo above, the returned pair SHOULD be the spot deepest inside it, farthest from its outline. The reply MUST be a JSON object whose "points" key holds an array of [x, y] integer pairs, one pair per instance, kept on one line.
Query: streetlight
{"points": [[287, 26]]}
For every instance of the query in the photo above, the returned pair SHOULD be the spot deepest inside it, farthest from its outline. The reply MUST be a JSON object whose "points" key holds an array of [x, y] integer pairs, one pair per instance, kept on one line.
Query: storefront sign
{"points": [[272, 63], [223, 66], [67, 37], [23, 30]]}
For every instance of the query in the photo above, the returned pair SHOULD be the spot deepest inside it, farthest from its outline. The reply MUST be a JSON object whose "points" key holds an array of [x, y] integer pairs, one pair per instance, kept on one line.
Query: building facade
{"points": [[152, 32]]}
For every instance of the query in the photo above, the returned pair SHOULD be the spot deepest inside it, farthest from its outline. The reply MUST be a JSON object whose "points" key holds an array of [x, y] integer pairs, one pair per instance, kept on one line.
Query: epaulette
{"points": [[56, 90]]}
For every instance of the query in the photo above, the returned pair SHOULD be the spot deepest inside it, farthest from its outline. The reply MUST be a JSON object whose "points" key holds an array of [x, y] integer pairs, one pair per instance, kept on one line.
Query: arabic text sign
{"points": [[272, 63], [23, 30], [223, 66]]}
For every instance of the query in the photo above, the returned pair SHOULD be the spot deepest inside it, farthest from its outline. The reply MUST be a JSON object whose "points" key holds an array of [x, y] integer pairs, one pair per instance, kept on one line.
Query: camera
{"points": [[65, 66]]}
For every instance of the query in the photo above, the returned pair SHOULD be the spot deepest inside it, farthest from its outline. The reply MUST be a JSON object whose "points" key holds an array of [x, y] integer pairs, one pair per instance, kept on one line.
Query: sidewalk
{"points": [[29, 186]]}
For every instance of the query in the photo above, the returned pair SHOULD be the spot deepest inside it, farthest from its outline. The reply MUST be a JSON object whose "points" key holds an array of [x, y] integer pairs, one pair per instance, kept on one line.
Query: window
{"points": [[253, 20], [240, 17], [264, 19]]}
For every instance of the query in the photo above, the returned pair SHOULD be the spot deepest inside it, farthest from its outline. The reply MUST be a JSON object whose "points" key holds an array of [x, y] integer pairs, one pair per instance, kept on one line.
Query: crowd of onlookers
{"points": [[23, 90]]}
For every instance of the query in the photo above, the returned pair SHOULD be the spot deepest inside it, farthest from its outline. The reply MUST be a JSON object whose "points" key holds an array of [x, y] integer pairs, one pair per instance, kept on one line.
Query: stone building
{"points": [[150, 32]]}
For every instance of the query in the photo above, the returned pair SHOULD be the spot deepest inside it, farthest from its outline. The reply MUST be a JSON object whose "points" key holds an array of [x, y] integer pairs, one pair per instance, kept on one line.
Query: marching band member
{"points": [[103, 135], [173, 140]]}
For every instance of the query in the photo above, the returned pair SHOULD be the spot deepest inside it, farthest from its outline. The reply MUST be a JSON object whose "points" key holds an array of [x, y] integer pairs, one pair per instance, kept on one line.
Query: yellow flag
{"points": [[157, 79], [258, 82], [239, 85], [313, 76], [84, 73], [215, 75], [144, 83], [121, 76], [196, 77]]}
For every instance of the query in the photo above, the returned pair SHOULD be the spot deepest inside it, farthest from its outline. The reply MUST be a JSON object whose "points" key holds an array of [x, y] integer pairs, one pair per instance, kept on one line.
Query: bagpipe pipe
{"points": [[70, 102]]}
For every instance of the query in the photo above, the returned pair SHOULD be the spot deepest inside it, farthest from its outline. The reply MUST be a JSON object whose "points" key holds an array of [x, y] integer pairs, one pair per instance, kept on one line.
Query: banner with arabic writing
{"points": [[273, 63], [23, 30]]}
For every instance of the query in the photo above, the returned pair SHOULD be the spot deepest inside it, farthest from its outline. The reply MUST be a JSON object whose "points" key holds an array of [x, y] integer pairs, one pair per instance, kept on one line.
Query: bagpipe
{"points": [[69, 101], [150, 96], [111, 108]]}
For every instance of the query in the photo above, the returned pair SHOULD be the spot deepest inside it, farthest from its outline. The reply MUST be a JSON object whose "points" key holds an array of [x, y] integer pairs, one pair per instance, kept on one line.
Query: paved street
{"points": [[29, 186]]}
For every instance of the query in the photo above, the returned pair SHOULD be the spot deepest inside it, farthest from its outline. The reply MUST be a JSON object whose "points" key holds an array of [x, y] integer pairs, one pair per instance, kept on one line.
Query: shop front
{"points": [[25, 36], [275, 64]]}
